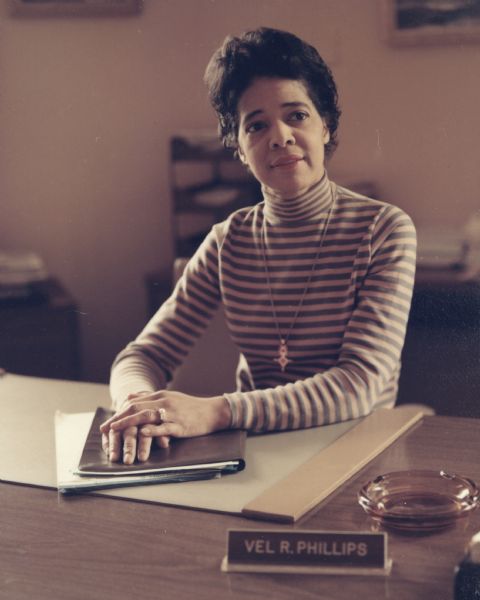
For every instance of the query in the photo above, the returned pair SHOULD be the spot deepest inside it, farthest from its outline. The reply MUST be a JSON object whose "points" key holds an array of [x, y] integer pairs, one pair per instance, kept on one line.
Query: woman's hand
{"points": [[112, 441], [160, 415]]}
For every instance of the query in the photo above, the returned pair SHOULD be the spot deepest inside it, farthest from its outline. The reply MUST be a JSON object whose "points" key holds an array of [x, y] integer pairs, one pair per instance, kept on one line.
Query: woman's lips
{"points": [[286, 161]]}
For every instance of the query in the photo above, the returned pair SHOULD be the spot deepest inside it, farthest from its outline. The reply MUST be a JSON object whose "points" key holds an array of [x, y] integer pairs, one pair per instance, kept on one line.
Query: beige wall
{"points": [[87, 106]]}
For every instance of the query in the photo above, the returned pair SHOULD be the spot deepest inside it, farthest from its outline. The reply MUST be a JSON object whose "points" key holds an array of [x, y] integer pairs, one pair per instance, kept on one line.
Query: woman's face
{"points": [[281, 136]]}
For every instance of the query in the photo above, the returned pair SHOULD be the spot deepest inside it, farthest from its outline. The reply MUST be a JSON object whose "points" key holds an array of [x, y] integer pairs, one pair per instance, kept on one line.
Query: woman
{"points": [[315, 281]]}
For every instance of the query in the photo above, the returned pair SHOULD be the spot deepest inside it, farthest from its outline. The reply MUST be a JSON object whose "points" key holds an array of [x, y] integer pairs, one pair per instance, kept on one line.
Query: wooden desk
{"points": [[93, 548]]}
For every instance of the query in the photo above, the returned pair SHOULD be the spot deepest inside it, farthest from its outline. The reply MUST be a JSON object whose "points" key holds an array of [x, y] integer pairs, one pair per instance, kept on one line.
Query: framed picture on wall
{"points": [[417, 22], [39, 8]]}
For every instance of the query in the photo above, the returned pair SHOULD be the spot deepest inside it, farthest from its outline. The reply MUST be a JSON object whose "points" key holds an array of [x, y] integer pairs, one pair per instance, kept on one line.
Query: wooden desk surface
{"points": [[90, 548]]}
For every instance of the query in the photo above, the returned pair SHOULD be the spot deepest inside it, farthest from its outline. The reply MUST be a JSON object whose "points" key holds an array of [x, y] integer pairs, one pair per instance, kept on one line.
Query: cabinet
{"points": [[441, 356], [208, 183], [39, 334]]}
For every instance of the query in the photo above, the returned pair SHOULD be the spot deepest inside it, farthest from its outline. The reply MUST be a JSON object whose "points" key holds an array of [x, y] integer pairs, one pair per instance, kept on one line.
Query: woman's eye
{"points": [[255, 126], [299, 115]]}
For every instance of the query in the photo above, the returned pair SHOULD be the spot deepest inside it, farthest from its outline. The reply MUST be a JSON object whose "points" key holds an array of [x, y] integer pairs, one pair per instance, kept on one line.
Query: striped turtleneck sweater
{"points": [[351, 259]]}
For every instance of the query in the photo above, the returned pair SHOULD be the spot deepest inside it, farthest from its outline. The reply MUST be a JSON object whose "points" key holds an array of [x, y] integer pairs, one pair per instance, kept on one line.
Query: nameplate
{"points": [[283, 551]]}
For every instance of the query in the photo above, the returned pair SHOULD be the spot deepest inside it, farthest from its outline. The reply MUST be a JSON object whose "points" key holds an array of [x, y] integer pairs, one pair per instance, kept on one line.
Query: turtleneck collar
{"points": [[307, 206]]}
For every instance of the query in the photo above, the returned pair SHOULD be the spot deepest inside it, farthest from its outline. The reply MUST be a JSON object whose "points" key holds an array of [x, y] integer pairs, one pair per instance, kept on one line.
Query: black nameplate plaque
{"points": [[307, 551]]}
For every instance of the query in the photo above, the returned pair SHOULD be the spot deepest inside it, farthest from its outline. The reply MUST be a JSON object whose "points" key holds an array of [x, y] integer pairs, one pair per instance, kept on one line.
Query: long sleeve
{"points": [[147, 363]]}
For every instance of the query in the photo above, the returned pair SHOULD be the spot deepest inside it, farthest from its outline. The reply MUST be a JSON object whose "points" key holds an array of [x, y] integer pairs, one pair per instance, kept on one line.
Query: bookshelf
{"points": [[207, 184]]}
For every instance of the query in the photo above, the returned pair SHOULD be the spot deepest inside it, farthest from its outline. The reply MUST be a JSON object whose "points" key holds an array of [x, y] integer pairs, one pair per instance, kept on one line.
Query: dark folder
{"points": [[185, 459]]}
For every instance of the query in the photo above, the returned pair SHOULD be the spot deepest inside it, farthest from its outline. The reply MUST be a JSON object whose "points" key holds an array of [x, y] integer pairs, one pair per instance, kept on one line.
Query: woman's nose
{"points": [[281, 135]]}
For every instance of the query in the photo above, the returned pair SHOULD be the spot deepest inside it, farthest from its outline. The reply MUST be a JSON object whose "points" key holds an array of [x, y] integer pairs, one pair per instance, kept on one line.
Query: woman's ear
{"points": [[326, 135], [241, 155]]}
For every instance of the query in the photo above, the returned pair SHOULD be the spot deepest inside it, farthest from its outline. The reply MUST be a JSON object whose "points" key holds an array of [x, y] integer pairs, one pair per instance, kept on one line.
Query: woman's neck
{"points": [[306, 206]]}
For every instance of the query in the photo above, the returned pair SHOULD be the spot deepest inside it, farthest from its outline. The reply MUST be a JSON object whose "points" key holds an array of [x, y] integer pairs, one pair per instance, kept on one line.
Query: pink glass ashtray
{"points": [[418, 500]]}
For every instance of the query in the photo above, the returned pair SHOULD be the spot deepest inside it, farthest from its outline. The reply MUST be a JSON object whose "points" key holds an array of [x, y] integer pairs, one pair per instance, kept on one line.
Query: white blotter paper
{"points": [[269, 458], [27, 408]]}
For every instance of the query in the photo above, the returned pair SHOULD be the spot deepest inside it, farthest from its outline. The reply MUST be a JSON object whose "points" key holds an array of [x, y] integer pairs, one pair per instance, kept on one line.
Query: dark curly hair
{"points": [[267, 52]]}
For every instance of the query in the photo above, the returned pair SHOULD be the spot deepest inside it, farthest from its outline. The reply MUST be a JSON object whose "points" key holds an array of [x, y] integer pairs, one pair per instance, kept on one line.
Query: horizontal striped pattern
{"points": [[346, 343]]}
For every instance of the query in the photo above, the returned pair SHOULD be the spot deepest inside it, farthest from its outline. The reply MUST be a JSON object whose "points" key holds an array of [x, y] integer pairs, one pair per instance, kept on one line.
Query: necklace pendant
{"points": [[283, 359]]}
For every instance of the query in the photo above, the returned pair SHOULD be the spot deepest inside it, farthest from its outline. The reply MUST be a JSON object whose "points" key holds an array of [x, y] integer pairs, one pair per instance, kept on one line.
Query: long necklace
{"points": [[282, 358]]}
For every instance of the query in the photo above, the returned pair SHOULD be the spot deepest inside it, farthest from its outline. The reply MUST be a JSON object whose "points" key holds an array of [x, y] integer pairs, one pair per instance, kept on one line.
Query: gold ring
{"points": [[162, 413]]}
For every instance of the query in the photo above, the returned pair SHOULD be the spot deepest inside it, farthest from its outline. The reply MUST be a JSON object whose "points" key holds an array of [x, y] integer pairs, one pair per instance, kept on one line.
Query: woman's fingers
{"points": [[124, 409], [144, 445], [142, 417], [121, 440], [165, 430], [105, 426], [162, 441], [126, 444], [129, 445], [123, 412], [134, 395], [114, 445], [105, 444]]}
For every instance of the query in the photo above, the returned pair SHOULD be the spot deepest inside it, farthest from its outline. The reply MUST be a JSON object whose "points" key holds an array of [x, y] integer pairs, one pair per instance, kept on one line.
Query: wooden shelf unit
{"points": [[222, 187]]}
